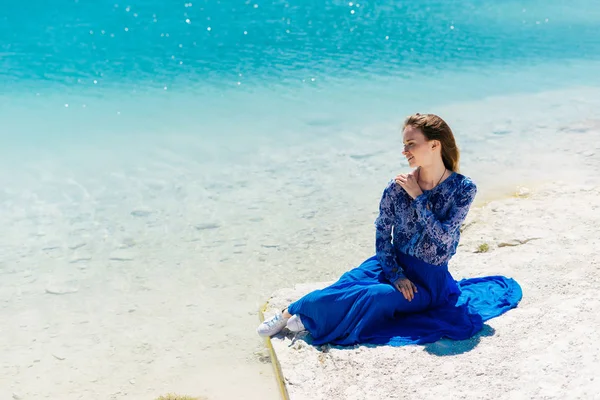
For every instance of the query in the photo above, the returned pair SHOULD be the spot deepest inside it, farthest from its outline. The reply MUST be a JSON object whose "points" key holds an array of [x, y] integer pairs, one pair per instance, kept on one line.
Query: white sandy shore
{"points": [[547, 348]]}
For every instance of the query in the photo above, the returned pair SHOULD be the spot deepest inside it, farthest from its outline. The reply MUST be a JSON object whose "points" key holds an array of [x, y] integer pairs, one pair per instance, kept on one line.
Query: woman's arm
{"points": [[443, 230], [383, 235]]}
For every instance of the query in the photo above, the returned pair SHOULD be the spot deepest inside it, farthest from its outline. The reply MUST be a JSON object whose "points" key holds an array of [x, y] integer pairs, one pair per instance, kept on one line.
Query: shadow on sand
{"points": [[447, 347]]}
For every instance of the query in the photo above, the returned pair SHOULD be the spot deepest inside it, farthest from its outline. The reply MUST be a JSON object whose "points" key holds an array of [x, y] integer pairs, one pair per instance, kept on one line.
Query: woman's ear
{"points": [[435, 144]]}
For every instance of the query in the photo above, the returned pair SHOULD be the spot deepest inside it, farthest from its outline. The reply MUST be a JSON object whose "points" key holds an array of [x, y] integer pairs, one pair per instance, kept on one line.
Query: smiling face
{"points": [[427, 140], [418, 151]]}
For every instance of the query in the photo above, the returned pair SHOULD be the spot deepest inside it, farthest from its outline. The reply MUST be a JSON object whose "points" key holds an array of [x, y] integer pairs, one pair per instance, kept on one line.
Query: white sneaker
{"points": [[273, 325], [295, 324]]}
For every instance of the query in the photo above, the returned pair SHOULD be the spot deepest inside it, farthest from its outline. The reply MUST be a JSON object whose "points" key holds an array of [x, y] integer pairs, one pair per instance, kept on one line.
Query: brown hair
{"points": [[435, 128]]}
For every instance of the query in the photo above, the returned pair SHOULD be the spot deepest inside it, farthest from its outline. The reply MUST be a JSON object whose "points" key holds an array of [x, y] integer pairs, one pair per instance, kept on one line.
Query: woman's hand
{"points": [[407, 288], [409, 184]]}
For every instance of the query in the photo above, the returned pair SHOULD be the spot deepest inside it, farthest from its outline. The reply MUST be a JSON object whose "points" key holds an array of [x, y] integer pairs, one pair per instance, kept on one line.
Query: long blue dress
{"points": [[415, 239]]}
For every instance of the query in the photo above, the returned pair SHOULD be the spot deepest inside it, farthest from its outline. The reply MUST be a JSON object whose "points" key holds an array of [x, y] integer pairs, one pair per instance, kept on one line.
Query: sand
{"points": [[547, 348]]}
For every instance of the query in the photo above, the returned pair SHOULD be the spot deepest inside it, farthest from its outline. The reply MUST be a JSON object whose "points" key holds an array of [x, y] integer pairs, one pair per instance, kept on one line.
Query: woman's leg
{"points": [[361, 296], [340, 312]]}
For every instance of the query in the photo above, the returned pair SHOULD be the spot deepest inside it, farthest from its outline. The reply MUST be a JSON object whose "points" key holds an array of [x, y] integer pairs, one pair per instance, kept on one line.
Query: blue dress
{"points": [[415, 239]]}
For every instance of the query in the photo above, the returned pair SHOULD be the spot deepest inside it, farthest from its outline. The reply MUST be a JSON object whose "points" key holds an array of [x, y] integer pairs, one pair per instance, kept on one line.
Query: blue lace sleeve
{"points": [[443, 231], [383, 236]]}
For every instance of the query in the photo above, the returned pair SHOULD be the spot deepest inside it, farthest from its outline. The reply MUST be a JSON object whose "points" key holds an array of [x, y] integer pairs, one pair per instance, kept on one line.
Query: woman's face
{"points": [[418, 151]]}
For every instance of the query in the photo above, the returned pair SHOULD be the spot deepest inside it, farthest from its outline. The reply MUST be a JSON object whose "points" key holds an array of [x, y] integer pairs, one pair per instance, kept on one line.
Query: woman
{"points": [[405, 293]]}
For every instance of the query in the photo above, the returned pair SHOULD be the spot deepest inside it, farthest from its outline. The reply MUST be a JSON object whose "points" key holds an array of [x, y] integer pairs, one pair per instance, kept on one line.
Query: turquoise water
{"points": [[168, 165], [281, 66], [149, 45]]}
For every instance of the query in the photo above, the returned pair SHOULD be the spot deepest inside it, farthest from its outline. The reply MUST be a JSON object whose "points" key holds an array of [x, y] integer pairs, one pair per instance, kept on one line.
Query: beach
{"points": [[132, 277], [544, 349], [167, 167], [545, 236]]}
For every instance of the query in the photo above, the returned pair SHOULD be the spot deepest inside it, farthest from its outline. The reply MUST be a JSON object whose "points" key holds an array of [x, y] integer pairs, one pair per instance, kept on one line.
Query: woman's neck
{"points": [[430, 176]]}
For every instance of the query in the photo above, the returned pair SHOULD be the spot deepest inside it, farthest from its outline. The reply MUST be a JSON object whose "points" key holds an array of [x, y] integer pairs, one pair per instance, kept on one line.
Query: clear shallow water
{"points": [[224, 165]]}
